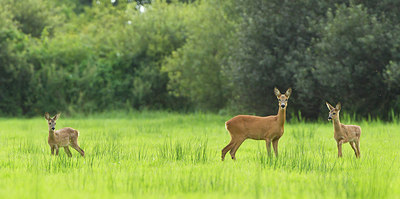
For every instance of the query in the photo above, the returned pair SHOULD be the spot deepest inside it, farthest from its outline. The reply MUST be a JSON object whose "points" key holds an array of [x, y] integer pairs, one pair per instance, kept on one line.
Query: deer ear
{"points": [[288, 92], [338, 106], [277, 92], [47, 116], [56, 116], [330, 107]]}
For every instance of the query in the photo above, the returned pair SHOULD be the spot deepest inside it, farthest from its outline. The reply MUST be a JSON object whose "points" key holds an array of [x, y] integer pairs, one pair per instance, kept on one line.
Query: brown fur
{"points": [[344, 133], [268, 128], [64, 137]]}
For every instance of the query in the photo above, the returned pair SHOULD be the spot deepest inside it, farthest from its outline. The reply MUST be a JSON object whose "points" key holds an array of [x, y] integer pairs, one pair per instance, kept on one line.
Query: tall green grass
{"points": [[168, 155]]}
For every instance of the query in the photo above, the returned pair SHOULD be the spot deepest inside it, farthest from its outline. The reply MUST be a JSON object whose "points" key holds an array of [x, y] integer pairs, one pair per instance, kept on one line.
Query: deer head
{"points": [[51, 121], [282, 98], [333, 111]]}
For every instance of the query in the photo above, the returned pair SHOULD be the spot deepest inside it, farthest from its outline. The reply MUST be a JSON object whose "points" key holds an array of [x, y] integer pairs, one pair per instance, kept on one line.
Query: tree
{"points": [[274, 38], [196, 69], [15, 72], [351, 57]]}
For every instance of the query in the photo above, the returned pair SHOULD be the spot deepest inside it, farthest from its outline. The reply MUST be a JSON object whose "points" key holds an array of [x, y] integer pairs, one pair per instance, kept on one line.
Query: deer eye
{"points": [[333, 113], [286, 100]]}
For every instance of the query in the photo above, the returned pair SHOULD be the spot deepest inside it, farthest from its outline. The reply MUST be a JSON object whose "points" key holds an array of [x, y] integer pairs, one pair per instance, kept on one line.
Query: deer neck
{"points": [[281, 116], [51, 133], [336, 124]]}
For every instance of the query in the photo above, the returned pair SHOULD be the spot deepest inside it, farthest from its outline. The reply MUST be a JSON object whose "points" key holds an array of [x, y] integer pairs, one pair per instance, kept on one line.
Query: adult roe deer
{"points": [[268, 128], [344, 133], [62, 138]]}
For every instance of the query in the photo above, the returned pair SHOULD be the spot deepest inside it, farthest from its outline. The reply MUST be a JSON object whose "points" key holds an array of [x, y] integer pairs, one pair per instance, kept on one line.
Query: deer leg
{"points": [[226, 149], [235, 148], [83, 152], [275, 145], [52, 150], [57, 150], [77, 148], [67, 151], [354, 148], [358, 147], [339, 146], [268, 144]]}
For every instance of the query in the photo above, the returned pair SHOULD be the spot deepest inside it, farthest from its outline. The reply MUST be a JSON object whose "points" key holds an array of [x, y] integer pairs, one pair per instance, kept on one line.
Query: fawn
{"points": [[344, 133], [62, 138], [268, 128]]}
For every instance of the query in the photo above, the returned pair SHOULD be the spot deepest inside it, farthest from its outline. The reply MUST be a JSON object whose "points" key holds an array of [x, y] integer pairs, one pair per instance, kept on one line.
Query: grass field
{"points": [[170, 155]]}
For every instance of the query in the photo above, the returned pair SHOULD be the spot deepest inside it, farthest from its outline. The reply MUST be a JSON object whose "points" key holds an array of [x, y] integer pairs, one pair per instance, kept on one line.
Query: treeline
{"points": [[222, 56]]}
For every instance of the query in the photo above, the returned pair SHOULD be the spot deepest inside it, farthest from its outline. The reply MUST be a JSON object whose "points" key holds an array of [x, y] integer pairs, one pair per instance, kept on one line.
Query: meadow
{"points": [[171, 155]]}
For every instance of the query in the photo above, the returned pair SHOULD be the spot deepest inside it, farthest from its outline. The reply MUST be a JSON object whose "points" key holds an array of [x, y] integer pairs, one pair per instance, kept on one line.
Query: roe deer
{"points": [[344, 133], [268, 128], [62, 138]]}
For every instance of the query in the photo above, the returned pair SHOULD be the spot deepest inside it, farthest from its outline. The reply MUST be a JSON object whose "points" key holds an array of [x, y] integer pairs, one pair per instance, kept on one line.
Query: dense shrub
{"points": [[89, 56], [196, 69], [326, 51], [15, 73]]}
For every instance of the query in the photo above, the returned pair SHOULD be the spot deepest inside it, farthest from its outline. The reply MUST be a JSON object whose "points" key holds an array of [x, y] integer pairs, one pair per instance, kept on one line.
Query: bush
{"points": [[196, 69]]}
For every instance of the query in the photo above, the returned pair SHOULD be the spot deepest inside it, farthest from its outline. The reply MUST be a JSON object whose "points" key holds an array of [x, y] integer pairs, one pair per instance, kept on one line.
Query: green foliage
{"points": [[196, 69], [272, 52], [33, 16], [91, 56], [326, 51], [86, 67], [15, 73], [351, 57]]}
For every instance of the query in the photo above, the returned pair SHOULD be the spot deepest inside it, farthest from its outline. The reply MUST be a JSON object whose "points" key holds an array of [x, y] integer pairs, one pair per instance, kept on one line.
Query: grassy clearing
{"points": [[167, 155]]}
